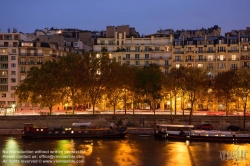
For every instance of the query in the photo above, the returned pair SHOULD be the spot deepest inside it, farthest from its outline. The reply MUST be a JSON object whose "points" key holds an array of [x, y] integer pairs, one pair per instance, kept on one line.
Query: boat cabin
{"points": [[81, 125], [173, 129], [32, 128]]}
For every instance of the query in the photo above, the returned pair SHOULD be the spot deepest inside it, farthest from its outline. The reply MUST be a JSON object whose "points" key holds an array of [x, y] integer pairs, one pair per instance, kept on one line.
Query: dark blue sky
{"points": [[147, 16]]}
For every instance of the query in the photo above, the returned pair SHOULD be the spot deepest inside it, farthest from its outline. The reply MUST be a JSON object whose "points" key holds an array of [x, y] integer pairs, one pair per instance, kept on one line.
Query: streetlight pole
{"points": [[125, 106]]}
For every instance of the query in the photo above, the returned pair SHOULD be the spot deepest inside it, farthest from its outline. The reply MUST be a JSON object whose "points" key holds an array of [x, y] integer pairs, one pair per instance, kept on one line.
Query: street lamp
{"points": [[125, 106], [66, 106], [13, 108]]}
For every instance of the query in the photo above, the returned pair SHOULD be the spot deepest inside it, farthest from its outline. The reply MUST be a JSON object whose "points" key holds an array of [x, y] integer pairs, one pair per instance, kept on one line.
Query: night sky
{"points": [[147, 16]]}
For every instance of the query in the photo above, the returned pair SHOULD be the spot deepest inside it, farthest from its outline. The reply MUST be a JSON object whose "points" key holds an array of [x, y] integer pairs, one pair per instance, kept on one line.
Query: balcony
{"points": [[179, 52], [211, 51], [210, 68], [189, 51], [23, 54], [22, 71], [177, 60], [233, 50], [200, 60], [233, 68], [245, 58], [224, 59], [189, 60], [245, 50], [233, 59], [22, 63]]}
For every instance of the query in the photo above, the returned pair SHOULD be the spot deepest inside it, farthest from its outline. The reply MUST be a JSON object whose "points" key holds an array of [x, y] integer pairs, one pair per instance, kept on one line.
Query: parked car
{"points": [[233, 128], [205, 127]]}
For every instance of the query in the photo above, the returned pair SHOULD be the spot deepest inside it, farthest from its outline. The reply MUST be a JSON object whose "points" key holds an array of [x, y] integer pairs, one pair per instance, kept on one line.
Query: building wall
{"points": [[52, 38], [8, 67]]}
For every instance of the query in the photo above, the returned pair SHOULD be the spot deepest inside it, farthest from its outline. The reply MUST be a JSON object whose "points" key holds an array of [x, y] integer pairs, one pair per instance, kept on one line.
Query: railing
{"points": [[179, 52], [211, 51], [234, 59], [210, 68], [233, 50], [245, 58], [189, 60], [243, 50], [200, 60], [224, 59], [178, 60], [245, 66]]}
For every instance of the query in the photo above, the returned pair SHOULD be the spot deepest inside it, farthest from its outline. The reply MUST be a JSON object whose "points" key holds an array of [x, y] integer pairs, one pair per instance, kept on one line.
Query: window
{"points": [[4, 58], [221, 57], [177, 50], [128, 63], [221, 65], [2, 102], [13, 80], [200, 57], [233, 57], [233, 66], [23, 69], [200, 49], [177, 58], [210, 49], [137, 56], [3, 66], [137, 63], [13, 88], [177, 66], [146, 63], [39, 60], [146, 56], [210, 57], [200, 65], [32, 61], [13, 72], [13, 65], [3, 80], [3, 95], [13, 57], [3, 73], [13, 50], [177, 43], [127, 56]]}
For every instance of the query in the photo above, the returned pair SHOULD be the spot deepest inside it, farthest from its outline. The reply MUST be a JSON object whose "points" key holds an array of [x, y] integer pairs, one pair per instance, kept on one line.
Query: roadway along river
{"points": [[130, 151]]}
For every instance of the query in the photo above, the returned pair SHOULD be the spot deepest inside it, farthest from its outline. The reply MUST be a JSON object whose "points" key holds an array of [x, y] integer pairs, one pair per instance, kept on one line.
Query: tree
{"points": [[41, 86], [148, 82], [73, 74], [98, 76], [194, 82], [223, 85], [241, 81]]}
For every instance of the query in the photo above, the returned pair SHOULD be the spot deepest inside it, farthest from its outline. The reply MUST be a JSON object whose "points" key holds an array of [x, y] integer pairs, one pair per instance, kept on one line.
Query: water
{"points": [[131, 151]]}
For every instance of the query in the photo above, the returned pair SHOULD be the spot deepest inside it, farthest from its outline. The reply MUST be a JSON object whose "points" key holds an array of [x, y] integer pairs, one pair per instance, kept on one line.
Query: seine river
{"points": [[130, 151]]}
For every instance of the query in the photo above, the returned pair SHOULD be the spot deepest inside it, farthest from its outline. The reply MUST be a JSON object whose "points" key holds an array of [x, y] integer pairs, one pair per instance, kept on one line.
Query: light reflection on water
{"points": [[132, 150]]}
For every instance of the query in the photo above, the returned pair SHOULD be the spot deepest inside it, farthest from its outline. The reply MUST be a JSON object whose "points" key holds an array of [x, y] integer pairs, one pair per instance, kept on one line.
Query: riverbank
{"points": [[131, 121]]}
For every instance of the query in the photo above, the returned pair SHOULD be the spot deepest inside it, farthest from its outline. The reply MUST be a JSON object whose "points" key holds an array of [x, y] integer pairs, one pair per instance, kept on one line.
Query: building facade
{"points": [[8, 68]]}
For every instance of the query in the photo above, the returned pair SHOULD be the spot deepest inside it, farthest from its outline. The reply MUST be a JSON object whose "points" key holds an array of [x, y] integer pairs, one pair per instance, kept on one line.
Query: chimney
{"points": [[8, 30]]}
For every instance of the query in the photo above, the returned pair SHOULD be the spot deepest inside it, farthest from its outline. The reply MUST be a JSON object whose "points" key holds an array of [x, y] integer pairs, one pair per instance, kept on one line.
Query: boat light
{"points": [[72, 132]]}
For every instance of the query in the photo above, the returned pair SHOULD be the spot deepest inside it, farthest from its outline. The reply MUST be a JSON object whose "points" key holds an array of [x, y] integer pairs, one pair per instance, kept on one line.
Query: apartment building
{"points": [[138, 51], [8, 68]]}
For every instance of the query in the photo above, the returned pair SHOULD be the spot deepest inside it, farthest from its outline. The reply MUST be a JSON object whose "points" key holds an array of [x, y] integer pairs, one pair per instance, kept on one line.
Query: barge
{"points": [[186, 133], [78, 130]]}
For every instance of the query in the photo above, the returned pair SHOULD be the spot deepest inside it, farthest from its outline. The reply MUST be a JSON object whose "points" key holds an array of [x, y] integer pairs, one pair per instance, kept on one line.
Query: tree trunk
{"points": [[93, 108], [50, 110], [114, 108], [244, 121]]}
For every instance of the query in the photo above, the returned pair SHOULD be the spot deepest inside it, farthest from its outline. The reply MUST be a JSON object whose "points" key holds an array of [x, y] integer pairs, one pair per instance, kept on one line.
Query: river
{"points": [[130, 151]]}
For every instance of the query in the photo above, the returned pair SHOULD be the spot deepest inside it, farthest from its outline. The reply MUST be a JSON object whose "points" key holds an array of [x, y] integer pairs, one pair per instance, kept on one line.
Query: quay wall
{"points": [[133, 121]]}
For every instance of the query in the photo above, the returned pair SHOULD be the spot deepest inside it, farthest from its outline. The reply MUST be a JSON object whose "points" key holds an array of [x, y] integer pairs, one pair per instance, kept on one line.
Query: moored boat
{"points": [[185, 132], [78, 130]]}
